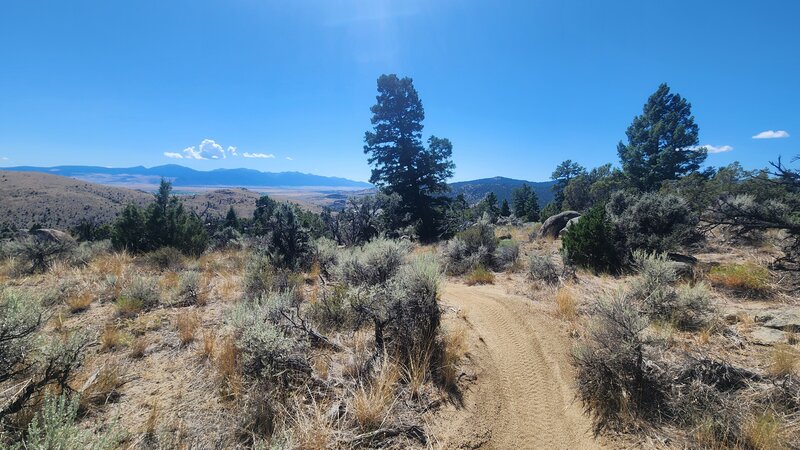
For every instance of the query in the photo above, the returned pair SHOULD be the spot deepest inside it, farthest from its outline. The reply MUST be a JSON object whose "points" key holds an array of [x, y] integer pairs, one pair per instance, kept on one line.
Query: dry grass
{"points": [[102, 387], [765, 431], [151, 424], [480, 276], [112, 338], [566, 306], [415, 371], [454, 347], [373, 401], [138, 348], [783, 360], [748, 279], [227, 362], [79, 303], [206, 351], [312, 428], [186, 325]]}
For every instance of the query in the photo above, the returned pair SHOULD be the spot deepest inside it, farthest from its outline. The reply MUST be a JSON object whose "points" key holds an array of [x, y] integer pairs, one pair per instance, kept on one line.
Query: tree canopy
{"points": [[662, 142]]}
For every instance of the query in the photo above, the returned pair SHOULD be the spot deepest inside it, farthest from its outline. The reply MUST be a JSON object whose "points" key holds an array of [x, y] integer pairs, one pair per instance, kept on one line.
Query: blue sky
{"points": [[517, 86]]}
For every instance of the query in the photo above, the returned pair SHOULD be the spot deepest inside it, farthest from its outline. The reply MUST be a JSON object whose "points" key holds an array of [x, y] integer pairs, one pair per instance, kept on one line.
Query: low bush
{"points": [[166, 258], [687, 307], [591, 243], [414, 307], [506, 254], [480, 275], [333, 310], [652, 222], [542, 268], [614, 382], [191, 290], [261, 277], [326, 254], [140, 295], [747, 279], [471, 248], [373, 264], [55, 427], [33, 254]]}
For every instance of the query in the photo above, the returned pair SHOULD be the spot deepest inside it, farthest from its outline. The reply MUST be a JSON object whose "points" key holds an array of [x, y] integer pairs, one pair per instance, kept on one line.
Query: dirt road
{"points": [[523, 397]]}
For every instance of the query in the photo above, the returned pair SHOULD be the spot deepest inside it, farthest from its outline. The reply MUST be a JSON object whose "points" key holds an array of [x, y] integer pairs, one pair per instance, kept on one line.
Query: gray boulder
{"points": [[570, 223], [554, 224], [52, 235], [767, 336], [786, 320]]}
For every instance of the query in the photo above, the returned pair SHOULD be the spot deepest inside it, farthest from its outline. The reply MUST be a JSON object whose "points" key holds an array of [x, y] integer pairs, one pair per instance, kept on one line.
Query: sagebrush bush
{"points": [[141, 294], [87, 251], [373, 264], [414, 307], [34, 254], [542, 268], [190, 288], [687, 307], [333, 310], [471, 248], [55, 427], [262, 277], [591, 243], [267, 352], [326, 254], [20, 318], [506, 254], [652, 222], [614, 382]]}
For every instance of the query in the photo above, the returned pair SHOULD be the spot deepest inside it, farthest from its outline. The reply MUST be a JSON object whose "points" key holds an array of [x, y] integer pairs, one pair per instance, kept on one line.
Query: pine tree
{"points": [[401, 163], [662, 142], [525, 203], [562, 175], [505, 210], [231, 219]]}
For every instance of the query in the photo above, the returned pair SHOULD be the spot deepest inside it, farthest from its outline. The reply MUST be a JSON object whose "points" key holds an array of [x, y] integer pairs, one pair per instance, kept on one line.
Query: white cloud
{"points": [[232, 151], [258, 155], [289, 158], [173, 155], [718, 149], [772, 134], [3, 158]]}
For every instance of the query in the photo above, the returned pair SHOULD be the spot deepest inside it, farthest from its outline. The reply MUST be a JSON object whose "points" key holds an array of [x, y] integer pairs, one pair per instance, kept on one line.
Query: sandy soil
{"points": [[522, 396]]}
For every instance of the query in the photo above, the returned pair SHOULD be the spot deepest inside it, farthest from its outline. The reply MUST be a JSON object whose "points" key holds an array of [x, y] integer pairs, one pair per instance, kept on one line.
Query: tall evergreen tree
{"points": [[231, 219], [505, 210], [525, 203], [662, 142], [400, 162], [562, 175]]}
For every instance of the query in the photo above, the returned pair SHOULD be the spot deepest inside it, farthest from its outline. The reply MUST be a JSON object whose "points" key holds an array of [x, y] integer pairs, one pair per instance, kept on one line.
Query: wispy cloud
{"points": [[173, 155], [3, 158], [717, 149], [289, 158], [258, 155], [772, 134]]}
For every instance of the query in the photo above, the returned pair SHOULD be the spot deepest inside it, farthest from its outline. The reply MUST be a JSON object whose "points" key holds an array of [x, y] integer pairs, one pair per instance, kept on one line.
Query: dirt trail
{"points": [[523, 396]]}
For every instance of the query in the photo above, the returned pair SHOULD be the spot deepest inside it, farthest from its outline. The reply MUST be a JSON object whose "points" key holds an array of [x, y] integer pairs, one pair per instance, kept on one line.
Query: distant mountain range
{"points": [[475, 190], [186, 177]]}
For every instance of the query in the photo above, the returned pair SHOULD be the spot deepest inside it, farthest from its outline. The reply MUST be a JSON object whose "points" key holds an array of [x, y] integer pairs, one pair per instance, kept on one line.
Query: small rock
{"points": [[767, 336]]}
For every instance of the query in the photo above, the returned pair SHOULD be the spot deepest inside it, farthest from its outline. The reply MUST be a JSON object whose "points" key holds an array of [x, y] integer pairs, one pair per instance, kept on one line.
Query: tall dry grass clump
{"points": [[748, 279], [372, 400], [566, 305], [453, 349], [186, 325]]}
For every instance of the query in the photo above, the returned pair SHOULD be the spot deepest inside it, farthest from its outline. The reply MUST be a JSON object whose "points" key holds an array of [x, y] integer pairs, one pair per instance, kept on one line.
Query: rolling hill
{"points": [[476, 190], [181, 176]]}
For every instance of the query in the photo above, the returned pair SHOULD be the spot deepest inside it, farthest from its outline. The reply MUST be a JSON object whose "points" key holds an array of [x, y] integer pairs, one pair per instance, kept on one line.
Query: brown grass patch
{"points": [[102, 387], [206, 351], [783, 360], [112, 338], [454, 347], [765, 431], [227, 362], [311, 427], [566, 307], [480, 276], [138, 348], [373, 401], [80, 302], [186, 325]]}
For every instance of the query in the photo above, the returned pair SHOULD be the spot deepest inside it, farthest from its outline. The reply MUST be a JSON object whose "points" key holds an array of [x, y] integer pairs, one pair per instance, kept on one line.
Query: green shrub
{"points": [[55, 428], [414, 310], [373, 264], [261, 277], [652, 222], [166, 258], [141, 294], [654, 289], [506, 254], [326, 254], [20, 318], [34, 254], [471, 248], [333, 311], [542, 268], [87, 251], [289, 242], [614, 382], [190, 288], [590, 243]]}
